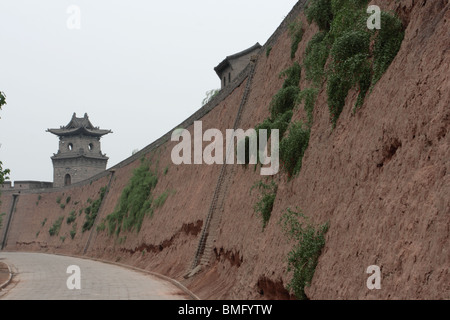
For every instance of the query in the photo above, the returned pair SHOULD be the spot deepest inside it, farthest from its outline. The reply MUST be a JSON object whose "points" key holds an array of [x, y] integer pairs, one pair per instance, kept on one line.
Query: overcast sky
{"points": [[137, 67]]}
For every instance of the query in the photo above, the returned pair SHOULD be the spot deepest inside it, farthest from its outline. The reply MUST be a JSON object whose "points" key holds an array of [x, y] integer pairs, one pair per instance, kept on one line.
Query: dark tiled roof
{"points": [[78, 126], [227, 60], [79, 122]]}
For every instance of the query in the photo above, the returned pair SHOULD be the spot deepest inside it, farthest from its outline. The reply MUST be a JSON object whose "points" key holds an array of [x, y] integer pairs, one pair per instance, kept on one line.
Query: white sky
{"points": [[137, 67]]}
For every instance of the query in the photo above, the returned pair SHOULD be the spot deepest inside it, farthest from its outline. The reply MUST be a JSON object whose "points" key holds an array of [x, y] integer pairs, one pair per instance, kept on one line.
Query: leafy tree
{"points": [[2, 100], [3, 173]]}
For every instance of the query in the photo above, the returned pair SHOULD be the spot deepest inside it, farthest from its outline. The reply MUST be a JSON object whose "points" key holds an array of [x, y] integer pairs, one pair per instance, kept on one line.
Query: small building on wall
{"points": [[232, 65], [79, 156]]}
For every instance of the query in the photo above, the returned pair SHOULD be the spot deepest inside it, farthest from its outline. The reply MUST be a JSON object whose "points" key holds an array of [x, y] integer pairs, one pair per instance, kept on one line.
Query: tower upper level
{"points": [[79, 156]]}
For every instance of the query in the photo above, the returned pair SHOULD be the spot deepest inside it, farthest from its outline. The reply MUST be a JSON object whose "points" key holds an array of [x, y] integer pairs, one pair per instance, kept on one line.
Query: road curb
{"points": [[163, 277], [10, 277]]}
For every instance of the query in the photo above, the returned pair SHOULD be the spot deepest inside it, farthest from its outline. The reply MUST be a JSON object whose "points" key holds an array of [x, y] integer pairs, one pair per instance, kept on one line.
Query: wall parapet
{"points": [[25, 185]]}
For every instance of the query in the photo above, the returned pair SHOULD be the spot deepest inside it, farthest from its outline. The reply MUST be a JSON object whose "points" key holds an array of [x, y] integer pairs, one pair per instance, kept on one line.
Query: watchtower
{"points": [[232, 65], [79, 156]]}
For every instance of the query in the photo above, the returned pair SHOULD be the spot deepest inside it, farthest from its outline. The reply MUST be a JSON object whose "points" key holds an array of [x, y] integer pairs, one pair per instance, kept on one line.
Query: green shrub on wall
{"points": [[308, 96], [350, 68], [348, 15], [54, 229], [282, 122], [319, 11], [161, 199], [72, 217], [345, 38], [387, 44], [291, 75], [348, 45], [286, 98], [296, 33], [293, 147], [283, 101], [135, 201], [303, 258], [316, 55], [337, 90], [73, 231], [266, 199], [341, 53], [92, 210]]}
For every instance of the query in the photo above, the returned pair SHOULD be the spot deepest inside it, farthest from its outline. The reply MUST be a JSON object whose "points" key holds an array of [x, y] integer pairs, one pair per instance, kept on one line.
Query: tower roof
{"points": [[79, 126], [226, 62]]}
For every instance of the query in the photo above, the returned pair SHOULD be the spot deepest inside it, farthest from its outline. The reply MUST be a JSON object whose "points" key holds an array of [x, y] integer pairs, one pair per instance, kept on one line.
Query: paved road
{"points": [[44, 277]]}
